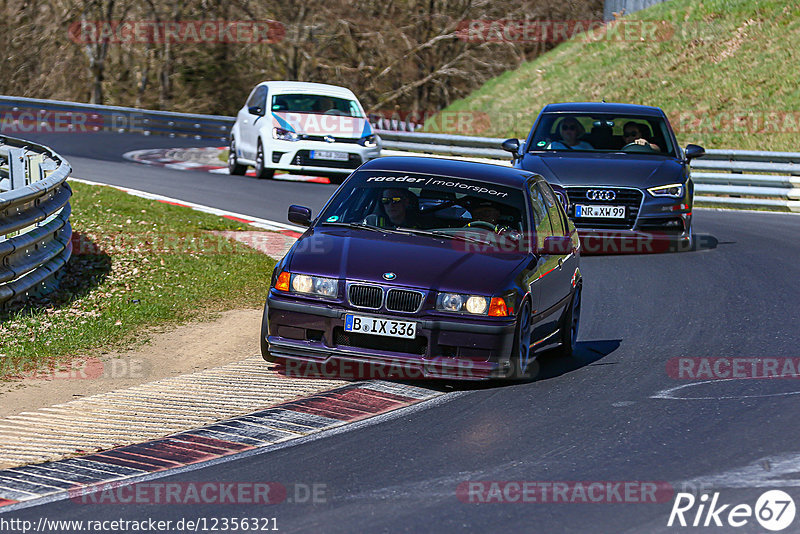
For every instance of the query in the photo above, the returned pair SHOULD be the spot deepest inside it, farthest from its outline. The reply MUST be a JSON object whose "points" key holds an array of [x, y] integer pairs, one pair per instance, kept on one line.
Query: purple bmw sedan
{"points": [[431, 268]]}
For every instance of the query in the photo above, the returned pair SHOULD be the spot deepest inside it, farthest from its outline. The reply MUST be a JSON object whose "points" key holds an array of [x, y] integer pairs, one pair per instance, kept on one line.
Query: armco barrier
{"points": [[722, 177], [34, 217]]}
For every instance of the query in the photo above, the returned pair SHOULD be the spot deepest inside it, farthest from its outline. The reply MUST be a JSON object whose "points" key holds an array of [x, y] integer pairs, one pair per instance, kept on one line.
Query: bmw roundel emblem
{"points": [[389, 276]]}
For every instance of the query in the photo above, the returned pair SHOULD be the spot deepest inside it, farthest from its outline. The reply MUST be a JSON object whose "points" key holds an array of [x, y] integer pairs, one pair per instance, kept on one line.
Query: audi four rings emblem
{"points": [[601, 194]]}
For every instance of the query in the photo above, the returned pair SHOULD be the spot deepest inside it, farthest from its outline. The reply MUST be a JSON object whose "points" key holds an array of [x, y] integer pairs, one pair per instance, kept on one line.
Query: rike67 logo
{"points": [[774, 510]]}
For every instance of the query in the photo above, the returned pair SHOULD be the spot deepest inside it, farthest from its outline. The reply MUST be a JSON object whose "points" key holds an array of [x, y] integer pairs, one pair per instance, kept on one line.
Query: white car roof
{"points": [[308, 88]]}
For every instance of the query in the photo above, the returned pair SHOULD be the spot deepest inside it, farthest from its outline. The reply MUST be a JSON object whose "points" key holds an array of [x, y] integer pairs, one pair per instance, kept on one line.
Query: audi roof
{"points": [[603, 107]]}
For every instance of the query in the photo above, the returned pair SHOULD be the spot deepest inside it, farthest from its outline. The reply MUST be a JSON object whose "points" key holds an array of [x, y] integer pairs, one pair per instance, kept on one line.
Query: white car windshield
{"points": [[320, 104]]}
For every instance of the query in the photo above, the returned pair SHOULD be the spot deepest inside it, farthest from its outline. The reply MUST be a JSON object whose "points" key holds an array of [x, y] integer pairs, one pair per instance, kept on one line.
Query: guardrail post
{"points": [[35, 171], [17, 168]]}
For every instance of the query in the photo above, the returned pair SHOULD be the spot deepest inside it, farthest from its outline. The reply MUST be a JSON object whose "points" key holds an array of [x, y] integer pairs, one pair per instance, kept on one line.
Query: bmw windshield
{"points": [[455, 207]]}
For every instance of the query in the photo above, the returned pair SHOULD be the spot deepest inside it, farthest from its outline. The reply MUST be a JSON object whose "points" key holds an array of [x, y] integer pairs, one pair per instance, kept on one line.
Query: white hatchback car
{"points": [[301, 128]]}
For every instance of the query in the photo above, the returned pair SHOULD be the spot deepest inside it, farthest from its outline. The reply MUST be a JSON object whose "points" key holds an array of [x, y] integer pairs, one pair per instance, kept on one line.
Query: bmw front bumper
{"points": [[460, 348]]}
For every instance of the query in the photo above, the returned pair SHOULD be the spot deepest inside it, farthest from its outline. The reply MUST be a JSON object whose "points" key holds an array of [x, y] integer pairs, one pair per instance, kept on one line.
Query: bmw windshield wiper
{"points": [[362, 226], [434, 233]]}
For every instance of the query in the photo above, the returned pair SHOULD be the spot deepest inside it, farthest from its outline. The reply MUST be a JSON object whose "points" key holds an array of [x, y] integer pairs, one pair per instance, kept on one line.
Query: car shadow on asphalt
{"points": [[547, 365]]}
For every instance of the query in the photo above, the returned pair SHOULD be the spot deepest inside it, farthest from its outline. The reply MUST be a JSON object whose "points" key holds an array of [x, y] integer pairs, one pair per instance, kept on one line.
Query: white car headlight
{"points": [[284, 135], [369, 141], [671, 190], [314, 285]]}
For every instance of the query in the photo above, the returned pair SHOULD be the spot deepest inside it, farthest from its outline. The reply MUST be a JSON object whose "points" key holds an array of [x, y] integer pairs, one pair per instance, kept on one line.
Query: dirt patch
{"points": [[231, 337]]}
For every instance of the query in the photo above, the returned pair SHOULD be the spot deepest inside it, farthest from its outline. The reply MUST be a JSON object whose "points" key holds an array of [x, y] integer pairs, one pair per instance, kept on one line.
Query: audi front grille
{"points": [[630, 198]]}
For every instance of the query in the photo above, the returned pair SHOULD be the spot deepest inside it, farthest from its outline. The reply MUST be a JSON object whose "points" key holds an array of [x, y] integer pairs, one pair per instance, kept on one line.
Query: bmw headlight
{"points": [[314, 285], [671, 190], [284, 135], [369, 141], [456, 302], [474, 304]]}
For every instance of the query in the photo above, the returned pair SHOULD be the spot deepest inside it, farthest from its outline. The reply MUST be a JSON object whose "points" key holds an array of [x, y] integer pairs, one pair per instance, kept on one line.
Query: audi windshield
{"points": [[601, 132]]}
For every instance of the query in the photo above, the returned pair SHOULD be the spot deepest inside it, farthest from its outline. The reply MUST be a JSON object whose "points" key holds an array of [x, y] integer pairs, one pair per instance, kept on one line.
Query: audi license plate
{"points": [[379, 327], [599, 212], [330, 155]]}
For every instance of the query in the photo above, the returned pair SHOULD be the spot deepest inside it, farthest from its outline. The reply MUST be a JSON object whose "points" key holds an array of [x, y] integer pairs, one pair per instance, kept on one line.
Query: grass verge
{"points": [[137, 265], [720, 69]]}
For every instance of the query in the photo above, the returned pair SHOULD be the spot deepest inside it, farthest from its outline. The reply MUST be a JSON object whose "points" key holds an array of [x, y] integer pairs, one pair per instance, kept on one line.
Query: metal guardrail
{"points": [[722, 177], [35, 232], [33, 114]]}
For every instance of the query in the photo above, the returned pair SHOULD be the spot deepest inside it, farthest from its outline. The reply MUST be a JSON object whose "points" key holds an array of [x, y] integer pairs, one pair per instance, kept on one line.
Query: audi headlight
{"points": [[369, 141], [314, 285], [284, 135], [671, 190]]}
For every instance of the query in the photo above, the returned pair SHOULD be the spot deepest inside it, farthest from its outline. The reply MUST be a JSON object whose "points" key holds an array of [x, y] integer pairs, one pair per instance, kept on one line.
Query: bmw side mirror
{"points": [[512, 145], [255, 110], [694, 151], [557, 245], [300, 215]]}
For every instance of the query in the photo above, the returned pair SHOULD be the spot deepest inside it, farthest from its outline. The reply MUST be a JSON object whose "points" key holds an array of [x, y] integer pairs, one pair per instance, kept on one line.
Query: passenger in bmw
{"points": [[485, 211]]}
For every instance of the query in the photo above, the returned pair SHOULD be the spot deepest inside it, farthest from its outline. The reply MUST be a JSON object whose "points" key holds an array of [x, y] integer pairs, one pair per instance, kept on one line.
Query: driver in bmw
{"points": [[399, 208]]}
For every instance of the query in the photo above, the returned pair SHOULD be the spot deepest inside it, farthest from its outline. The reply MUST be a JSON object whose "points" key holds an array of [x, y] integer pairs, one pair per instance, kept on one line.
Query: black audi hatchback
{"points": [[620, 164]]}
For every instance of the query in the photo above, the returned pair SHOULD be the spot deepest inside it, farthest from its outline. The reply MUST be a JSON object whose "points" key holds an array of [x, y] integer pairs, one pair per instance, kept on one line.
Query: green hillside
{"points": [[727, 72]]}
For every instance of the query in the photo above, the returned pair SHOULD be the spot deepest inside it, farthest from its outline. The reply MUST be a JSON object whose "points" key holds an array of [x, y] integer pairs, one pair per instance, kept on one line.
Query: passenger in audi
{"points": [[571, 131]]}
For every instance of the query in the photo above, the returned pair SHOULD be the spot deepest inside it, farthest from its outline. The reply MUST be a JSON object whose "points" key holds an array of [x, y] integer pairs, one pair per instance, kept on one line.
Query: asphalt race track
{"points": [[612, 413]]}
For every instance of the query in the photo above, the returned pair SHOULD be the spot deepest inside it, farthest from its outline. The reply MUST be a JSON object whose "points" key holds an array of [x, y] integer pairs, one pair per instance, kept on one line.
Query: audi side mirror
{"points": [[255, 110], [300, 215], [694, 151]]}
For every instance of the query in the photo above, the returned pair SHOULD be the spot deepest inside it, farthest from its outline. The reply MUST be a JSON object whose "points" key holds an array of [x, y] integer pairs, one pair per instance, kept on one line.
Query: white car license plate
{"points": [[599, 212], [379, 327], [330, 155]]}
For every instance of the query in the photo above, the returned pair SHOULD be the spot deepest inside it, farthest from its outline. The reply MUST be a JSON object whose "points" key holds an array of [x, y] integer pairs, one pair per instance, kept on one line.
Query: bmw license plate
{"points": [[329, 155], [379, 327], [599, 211]]}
